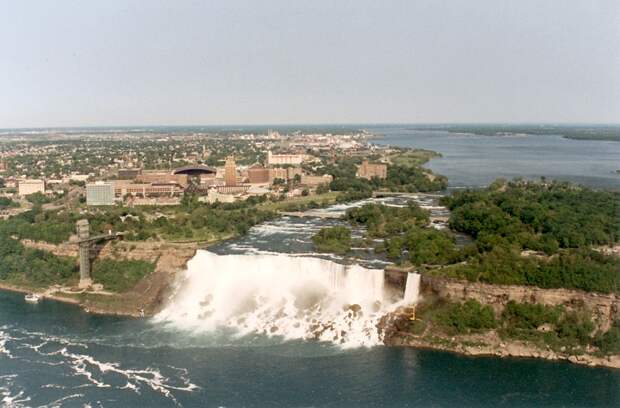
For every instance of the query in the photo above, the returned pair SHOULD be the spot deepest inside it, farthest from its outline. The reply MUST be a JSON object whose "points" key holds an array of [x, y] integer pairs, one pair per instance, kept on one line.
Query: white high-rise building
{"points": [[100, 193]]}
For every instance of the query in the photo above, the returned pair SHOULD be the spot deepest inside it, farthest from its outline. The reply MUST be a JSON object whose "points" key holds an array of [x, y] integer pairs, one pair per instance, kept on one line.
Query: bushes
{"points": [[333, 239], [568, 331], [609, 342], [33, 266], [574, 269], [120, 276], [7, 202], [538, 216], [38, 198], [465, 317], [530, 316]]}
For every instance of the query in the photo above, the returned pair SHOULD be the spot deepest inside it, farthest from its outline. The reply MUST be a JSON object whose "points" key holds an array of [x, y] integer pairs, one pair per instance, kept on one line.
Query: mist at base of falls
{"points": [[281, 295]]}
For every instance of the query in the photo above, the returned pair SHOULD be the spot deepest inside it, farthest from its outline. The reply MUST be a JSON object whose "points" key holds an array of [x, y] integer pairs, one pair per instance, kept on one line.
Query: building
{"points": [[128, 174], [312, 181], [232, 189], [214, 196], [162, 177], [258, 174], [100, 193], [230, 172], [27, 187], [276, 159], [368, 170], [123, 188], [155, 201], [284, 173]]}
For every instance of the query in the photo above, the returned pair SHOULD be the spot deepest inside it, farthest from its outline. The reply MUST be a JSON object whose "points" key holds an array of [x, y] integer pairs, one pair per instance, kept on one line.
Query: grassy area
{"points": [[286, 205], [120, 275], [411, 158]]}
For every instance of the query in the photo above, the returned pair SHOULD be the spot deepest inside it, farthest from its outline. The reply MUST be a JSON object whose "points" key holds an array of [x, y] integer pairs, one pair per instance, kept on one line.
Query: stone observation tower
{"points": [[83, 233], [85, 241]]}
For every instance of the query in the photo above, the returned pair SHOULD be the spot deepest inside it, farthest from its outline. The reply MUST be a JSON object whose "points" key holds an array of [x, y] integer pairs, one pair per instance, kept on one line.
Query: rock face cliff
{"points": [[605, 308], [150, 293], [397, 326]]}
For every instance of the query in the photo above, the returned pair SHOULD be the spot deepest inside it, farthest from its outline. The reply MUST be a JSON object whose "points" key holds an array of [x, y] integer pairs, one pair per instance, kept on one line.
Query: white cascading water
{"points": [[280, 295], [412, 289]]}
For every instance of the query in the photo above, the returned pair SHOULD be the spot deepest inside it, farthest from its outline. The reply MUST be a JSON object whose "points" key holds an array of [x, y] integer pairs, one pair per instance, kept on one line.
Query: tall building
{"points": [[230, 172], [27, 187], [100, 193], [275, 159], [367, 170]]}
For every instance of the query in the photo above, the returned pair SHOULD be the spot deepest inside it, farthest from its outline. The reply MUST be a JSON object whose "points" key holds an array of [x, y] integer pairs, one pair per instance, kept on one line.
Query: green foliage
{"points": [[38, 198], [120, 275], [382, 221], [413, 179], [558, 219], [193, 220], [530, 315], [465, 317], [322, 188], [35, 267], [576, 327], [7, 202], [574, 269], [37, 225], [609, 342], [333, 239], [429, 246], [537, 216], [402, 229]]}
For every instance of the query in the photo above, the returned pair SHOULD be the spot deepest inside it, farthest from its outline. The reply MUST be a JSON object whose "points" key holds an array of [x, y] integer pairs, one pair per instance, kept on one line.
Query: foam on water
{"points": [[280, 295], [36, 348]]}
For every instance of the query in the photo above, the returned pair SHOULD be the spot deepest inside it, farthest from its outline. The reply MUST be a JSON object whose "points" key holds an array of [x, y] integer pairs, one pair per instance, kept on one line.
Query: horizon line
{"points": [[310, 124]]}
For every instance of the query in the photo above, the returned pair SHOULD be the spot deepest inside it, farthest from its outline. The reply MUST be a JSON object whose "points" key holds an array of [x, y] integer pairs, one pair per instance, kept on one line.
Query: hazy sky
{"points": [[88, 63]]}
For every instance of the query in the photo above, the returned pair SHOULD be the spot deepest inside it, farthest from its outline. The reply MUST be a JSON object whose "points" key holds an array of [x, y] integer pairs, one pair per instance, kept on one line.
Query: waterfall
{"points": [[280, 295], [412, 288]]}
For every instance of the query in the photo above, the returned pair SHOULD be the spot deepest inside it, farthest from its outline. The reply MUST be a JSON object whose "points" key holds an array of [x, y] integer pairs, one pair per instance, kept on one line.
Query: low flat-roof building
{"points": [[31, 186], [312, 181], [123, 188], [284, 173]]}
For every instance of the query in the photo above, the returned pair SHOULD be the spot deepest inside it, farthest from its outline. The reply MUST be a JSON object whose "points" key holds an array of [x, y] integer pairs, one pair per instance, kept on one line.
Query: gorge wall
{"points": [[605, 308]]}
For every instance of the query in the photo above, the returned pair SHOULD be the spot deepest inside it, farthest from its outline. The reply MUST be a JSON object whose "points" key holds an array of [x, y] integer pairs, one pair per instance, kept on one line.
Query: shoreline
{"points": [[461, 345], [504, 350]]}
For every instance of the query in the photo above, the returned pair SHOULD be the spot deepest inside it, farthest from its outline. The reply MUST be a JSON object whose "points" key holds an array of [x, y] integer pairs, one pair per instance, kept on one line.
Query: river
{"points": [[234, 335], [470, 160]]}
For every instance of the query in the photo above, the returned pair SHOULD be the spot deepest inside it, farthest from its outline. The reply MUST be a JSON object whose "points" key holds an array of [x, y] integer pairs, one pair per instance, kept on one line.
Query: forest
{"points": [[561, 225]]}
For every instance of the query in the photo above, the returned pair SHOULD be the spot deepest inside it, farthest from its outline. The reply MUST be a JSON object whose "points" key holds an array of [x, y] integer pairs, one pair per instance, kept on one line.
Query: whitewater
{"points": [[292, 297]]}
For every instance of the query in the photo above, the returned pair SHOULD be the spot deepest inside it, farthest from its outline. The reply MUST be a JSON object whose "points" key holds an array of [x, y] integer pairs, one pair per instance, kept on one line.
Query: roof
{"points": [[194, 170]]}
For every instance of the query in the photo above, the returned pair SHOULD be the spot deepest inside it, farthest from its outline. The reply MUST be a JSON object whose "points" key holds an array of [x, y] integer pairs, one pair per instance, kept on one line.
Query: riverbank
{"points": [[487, 344], [408, 327], [145, 299]]}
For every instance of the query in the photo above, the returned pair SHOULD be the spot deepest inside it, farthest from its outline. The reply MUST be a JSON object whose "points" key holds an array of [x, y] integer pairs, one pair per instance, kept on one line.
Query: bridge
{"points": [[379, 194], [85, 241], [310, 214]]}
